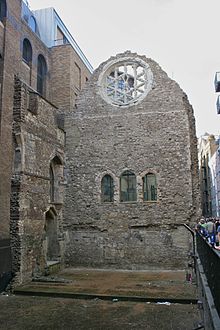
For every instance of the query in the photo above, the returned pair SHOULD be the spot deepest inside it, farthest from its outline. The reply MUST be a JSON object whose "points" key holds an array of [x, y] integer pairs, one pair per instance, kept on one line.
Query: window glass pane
{"points": [[33, 24], [132, 188], [3, 9], [27, 51], [51, 185], [128, 187], [150, 187], [107, 189], [41, 74]]}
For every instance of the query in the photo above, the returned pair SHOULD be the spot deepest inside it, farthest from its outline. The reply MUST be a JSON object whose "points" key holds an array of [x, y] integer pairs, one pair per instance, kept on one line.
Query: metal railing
{"points": [[210, 260]]}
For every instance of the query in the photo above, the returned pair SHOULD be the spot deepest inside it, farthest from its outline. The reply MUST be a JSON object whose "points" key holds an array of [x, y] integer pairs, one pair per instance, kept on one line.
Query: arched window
{"points": [[51, 244], [51, 184], [107, 189], [41, 75], [150, 187], [128, 187], [33, 24], [27, 51], [56, 176], [3, 9]]}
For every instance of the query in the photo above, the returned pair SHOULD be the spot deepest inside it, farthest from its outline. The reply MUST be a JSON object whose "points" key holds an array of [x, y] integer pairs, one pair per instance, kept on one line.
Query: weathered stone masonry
{"points": [[37, 141], [106, 136], [156, 135], [31, 145]]}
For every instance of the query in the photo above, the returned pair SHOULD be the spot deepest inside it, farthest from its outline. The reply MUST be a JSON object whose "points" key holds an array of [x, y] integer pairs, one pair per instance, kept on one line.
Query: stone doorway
{"points": [[52, 248]]}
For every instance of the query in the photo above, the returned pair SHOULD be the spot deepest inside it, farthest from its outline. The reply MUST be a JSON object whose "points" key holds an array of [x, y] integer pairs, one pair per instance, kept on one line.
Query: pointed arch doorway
{"points": [[52, 248]]}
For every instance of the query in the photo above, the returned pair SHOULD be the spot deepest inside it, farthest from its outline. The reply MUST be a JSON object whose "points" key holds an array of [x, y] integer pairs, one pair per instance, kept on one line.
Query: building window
{"points": [[126, 81], [56, 176], [150, 187], [51, 184], [41, 75], [61, 39], [33, 24], [107, 189], [78, 76], [3, 9], [27, 51], [128, 187]]}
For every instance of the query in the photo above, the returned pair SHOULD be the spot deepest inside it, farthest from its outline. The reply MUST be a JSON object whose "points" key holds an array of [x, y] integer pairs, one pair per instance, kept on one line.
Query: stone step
{"points": [[52, 267]]}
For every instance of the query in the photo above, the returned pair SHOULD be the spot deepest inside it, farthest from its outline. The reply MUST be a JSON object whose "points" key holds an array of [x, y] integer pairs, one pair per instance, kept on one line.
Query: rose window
{"points": [[126, 82]]}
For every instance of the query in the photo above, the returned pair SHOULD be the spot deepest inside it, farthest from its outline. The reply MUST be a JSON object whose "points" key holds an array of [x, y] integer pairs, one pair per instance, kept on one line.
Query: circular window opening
{"points": [[126, 81]]}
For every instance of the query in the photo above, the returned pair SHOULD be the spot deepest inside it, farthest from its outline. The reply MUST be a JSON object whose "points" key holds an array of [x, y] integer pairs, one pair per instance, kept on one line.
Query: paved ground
{"points": [[26, 313], [35, 312], [165, 285]]}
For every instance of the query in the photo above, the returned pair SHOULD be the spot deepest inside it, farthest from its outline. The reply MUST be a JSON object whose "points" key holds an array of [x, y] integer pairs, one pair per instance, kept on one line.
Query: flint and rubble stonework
{"points": [[37, 140], [156, 135]]}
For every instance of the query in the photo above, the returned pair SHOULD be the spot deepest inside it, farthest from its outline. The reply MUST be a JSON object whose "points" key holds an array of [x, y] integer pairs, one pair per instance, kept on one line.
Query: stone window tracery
{"points": [[126, 82]]}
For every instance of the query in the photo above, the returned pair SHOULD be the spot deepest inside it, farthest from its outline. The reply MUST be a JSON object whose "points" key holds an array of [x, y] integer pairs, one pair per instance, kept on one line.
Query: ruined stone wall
{"points": [[193, 144], [155, 135], [37, 140]]}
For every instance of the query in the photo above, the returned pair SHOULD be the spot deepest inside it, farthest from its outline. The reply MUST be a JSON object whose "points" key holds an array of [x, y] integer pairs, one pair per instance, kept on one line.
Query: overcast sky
{"points": [[183, 36]]}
